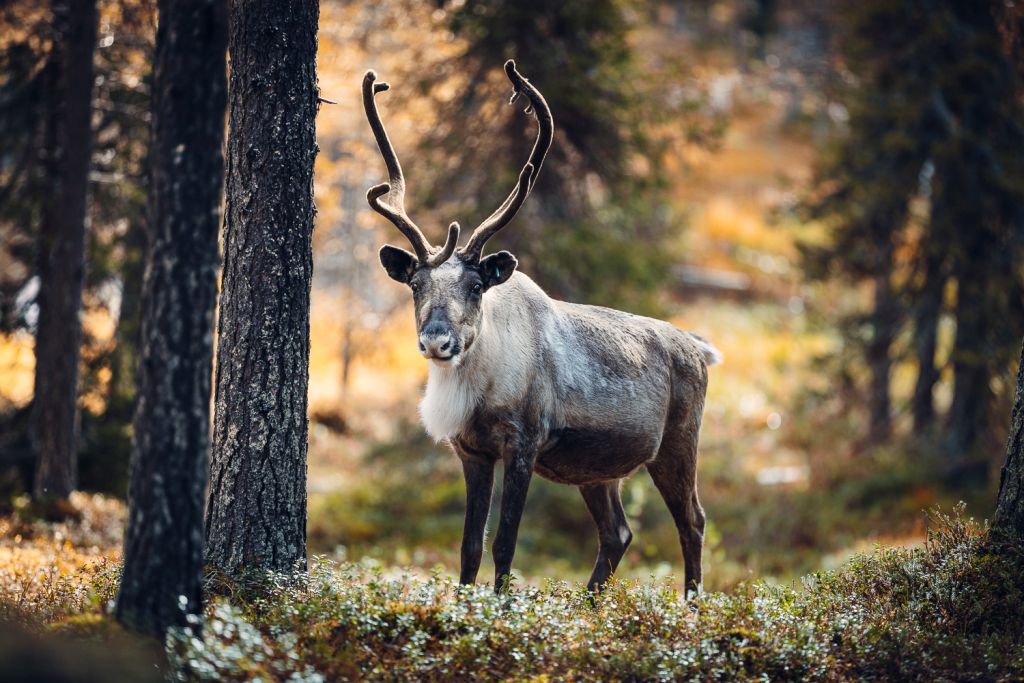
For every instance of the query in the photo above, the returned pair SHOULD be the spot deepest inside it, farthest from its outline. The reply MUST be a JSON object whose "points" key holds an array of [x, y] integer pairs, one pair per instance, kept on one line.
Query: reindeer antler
{"points": [[394, 208], [545, 132]]}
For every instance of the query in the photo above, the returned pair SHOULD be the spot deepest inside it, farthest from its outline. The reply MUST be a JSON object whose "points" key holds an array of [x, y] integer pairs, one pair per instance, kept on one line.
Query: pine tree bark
{"points": [[54, 424], [256, 510], [1009, 517], [163, 551]]}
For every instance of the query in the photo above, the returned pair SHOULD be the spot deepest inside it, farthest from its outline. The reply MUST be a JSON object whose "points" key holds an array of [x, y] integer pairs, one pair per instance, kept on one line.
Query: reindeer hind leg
{"points": [[604, 502], [674, 472]]}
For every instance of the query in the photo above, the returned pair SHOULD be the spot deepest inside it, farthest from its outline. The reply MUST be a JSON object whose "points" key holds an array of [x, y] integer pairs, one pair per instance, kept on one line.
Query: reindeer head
{"points": [[448, 284]]}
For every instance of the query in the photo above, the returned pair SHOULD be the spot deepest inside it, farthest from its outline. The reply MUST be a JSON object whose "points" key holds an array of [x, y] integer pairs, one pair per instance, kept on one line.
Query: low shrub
{"points": [[950, 609]]}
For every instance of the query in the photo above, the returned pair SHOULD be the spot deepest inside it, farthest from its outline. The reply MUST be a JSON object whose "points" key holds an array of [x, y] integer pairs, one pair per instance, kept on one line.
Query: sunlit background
{"points": [[693, 142]]}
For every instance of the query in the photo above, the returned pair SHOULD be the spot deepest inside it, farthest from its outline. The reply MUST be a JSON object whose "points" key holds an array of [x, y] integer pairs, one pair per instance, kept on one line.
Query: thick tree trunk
{"points": [[1009, 517], [884, 319], [926, 336], [164, 542], [256, 512], [62, 253]]}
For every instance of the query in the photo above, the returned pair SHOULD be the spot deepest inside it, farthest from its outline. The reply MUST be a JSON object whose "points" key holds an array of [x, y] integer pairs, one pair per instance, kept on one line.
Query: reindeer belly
{"points": [[590, 455]]}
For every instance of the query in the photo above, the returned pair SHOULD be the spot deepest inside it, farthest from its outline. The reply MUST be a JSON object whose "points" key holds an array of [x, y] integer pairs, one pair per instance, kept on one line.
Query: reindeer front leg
{"points": [[479, 476], [518, 470]]}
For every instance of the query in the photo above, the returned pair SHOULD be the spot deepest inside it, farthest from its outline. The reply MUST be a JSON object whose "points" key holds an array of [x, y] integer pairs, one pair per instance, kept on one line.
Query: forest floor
{"points": [[946, 610]]}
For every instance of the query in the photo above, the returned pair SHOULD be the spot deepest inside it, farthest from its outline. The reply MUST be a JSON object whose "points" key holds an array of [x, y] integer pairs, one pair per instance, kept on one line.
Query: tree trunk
{"points": [[1009, 517], [126, 350], [164, 542], [926, 336], [878, 353], [256, 511], [968, 414], [62, 253]]}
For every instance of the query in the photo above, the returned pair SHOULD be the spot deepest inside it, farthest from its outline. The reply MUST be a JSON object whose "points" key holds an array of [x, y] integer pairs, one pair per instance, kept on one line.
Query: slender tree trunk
{"points": [[878, 353], [346, 355], [164, 542], [62, 254], [126, 351], [1009, 515], [969, 411], [256, 511], [926, 335]]}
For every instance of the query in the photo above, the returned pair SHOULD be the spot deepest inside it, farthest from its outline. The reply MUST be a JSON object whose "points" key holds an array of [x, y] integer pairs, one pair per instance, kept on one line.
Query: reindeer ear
{"points": [[497, 268], [398, 263]]}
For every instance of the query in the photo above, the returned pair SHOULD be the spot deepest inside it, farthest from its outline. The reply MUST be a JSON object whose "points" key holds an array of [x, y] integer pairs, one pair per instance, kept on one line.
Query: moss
{"points": [[89, 625]]}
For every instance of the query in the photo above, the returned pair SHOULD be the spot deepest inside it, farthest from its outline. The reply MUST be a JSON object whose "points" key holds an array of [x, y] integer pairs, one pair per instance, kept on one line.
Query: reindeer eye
{"points": [[477, 288], [414, 286]]}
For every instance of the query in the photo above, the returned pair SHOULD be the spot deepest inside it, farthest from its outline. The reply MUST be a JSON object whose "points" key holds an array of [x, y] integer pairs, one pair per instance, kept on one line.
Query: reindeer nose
{"points": [[436, 342]]}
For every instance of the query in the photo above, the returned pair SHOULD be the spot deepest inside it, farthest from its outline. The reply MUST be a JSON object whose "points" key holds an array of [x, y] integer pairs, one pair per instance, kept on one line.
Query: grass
{"points": [[53, 570], [949, 609]]}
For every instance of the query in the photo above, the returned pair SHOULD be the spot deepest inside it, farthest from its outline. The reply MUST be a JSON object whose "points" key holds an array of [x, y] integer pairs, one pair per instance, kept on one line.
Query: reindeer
{"points": [[581, 395]]}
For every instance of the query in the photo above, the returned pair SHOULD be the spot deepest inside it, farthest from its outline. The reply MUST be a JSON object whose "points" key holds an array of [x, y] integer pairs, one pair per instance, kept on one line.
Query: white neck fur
{"points": [[501, 366], [448, 402]]}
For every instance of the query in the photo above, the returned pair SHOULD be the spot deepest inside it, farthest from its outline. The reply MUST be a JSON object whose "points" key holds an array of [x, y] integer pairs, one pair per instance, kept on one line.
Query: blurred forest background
{"points": [[832, 192]]}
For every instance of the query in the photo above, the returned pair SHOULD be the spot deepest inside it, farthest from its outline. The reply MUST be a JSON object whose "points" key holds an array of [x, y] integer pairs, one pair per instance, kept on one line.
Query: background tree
{"points": [[927, 294], [868, 181], [163, 544], [27, 67], [935, 115], [116, 217], [256, 513], [68, 141], [118, 220], [980, 163], [596, 227]]}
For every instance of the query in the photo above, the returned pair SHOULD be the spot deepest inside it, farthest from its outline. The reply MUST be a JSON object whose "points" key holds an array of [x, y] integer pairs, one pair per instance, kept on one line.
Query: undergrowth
{"points": [[948, 610]]}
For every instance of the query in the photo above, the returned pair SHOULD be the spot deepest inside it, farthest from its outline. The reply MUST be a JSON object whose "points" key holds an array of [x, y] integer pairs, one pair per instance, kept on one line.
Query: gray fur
{"points": [[581, 395]]}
